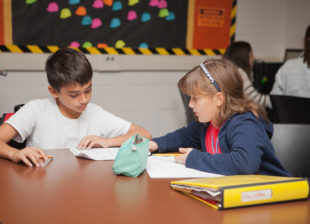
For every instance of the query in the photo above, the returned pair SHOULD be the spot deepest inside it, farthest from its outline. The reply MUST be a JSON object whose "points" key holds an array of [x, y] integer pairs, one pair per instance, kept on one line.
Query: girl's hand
{"points": [[93, 141], [153, 146], [30, 156], [182, 158]]}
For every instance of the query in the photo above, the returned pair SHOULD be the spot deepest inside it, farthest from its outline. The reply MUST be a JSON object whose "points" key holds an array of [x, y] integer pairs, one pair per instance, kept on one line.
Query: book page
{"points": [[166, 167], [96, 153]]}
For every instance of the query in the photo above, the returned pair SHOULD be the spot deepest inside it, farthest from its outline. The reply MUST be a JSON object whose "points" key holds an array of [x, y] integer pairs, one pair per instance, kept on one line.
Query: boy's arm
{"points": [[135, 129], [96, 141], [28, 155]]}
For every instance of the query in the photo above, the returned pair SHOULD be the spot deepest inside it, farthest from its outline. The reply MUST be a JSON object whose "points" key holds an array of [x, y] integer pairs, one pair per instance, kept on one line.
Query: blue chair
{"points": [[189, 113]]}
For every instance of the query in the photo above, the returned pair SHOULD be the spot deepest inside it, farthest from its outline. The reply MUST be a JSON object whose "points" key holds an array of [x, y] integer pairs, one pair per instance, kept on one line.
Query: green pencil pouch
{"points": [[132, 156]]}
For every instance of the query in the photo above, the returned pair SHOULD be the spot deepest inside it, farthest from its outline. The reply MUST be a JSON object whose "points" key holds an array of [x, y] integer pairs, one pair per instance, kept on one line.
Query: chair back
{"points": [[189, 113], [292, 147], [3, 119], [290, 109]]}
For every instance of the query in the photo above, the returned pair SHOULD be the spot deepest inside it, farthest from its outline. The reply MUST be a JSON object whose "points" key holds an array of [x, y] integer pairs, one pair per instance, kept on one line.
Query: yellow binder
{"points": [[244, 190]]}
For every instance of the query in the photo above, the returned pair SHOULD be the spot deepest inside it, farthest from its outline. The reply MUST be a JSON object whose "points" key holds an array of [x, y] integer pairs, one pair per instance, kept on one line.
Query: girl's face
{"points": [[204, 107]]}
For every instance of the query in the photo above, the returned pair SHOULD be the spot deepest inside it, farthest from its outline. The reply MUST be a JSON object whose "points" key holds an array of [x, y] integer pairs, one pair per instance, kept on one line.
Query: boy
{"points": [[65, 119]]}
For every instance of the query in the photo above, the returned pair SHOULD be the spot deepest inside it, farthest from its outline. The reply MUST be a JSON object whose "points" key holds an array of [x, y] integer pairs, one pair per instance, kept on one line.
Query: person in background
{"points": [[67, 119], [232, 135], [293, 78], [241, 54]]}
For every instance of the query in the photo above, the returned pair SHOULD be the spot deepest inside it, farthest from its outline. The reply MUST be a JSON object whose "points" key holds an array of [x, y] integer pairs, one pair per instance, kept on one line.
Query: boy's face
{"points": [[72, 99]]}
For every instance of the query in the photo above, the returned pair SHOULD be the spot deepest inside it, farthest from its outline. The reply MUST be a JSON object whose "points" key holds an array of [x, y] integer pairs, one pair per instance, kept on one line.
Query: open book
{"points": [[96, 153]]}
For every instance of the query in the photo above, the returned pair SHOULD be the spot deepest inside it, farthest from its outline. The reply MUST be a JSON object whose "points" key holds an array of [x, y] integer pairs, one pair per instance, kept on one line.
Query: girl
{"points": [[232, 135], [241, 53]]}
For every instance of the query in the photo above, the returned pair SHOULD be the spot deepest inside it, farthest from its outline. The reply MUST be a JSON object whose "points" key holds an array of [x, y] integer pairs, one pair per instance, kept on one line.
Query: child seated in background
{"points": [[241, 54], [232, 135], [293, 78], [67, 119]]}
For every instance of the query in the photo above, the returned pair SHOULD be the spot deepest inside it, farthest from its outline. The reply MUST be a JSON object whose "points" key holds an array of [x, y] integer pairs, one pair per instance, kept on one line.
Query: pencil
{"points": [[167, 154], [42, 157]]}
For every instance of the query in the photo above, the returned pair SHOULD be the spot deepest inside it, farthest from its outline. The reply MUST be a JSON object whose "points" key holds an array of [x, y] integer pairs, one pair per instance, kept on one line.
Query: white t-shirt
{"points": [[44, 126], [293, 79]]}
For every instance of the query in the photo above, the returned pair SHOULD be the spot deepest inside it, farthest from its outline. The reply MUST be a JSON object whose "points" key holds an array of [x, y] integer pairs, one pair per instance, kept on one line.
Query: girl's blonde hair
{"points": [[229, 80]]}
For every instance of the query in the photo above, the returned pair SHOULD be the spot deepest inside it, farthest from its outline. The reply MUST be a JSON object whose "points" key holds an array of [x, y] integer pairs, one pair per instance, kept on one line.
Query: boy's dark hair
{"points": [[68, 66]]}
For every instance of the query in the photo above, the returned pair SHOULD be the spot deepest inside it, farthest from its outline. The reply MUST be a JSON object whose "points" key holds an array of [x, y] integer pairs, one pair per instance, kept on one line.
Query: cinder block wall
{"points": [[149, 99]]}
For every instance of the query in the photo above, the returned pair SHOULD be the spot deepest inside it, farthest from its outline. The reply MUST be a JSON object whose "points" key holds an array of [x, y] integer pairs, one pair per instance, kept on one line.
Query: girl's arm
{"points": [[247, 142], [184, 137]]}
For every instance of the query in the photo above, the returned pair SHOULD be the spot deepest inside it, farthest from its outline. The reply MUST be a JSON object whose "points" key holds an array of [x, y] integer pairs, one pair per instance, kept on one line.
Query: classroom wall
{"points": [[143, 90], [272, 26]]}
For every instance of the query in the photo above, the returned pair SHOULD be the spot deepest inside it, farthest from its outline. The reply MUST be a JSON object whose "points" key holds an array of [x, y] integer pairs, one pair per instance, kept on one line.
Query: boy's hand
{"points": [[94, 141], [30, 156], [153, 146], [182, 158]]}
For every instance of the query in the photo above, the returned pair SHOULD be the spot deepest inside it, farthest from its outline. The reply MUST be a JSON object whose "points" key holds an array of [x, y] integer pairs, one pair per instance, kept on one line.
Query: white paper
{"points": [[157, 166], [211, 191], [96, 153], [166, 167]]}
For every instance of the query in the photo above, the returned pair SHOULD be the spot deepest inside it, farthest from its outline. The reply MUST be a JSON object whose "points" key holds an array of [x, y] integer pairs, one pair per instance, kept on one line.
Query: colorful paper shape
{"points": [[163, 13], [115, 22], [162, 4], [65, 13], [74, 2], [133, 2], [143, 45], [145, 17], [117, 6], [170, 17], [98, 4], [96, 23], [86, 20], [108, 2], [102, 45], [52, 7], [120, 44], [153, 3], [80, 11], [87, 44], [30, 1], [132, 15], [75, 44]]}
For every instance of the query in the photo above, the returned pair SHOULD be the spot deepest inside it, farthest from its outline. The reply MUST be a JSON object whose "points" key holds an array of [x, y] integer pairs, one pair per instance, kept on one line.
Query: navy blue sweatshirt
{"points": [[243, 139]]}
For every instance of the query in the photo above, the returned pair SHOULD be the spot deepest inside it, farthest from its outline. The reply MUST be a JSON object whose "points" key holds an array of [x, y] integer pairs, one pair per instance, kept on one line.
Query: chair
{"points": [[290, 109], [189, 113], [4, 118], [292, 147]]}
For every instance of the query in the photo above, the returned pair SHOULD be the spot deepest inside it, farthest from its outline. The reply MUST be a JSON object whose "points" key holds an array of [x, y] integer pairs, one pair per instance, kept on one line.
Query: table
{"points": [[75, 190]]}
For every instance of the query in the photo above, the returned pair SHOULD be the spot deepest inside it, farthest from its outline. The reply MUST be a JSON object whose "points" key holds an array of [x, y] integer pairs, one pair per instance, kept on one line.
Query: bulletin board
{"points": [[176, 27]]}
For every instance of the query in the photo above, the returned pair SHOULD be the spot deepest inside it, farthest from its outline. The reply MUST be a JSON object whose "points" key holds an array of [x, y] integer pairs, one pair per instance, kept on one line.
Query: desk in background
{"points": [[74, 190]]}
